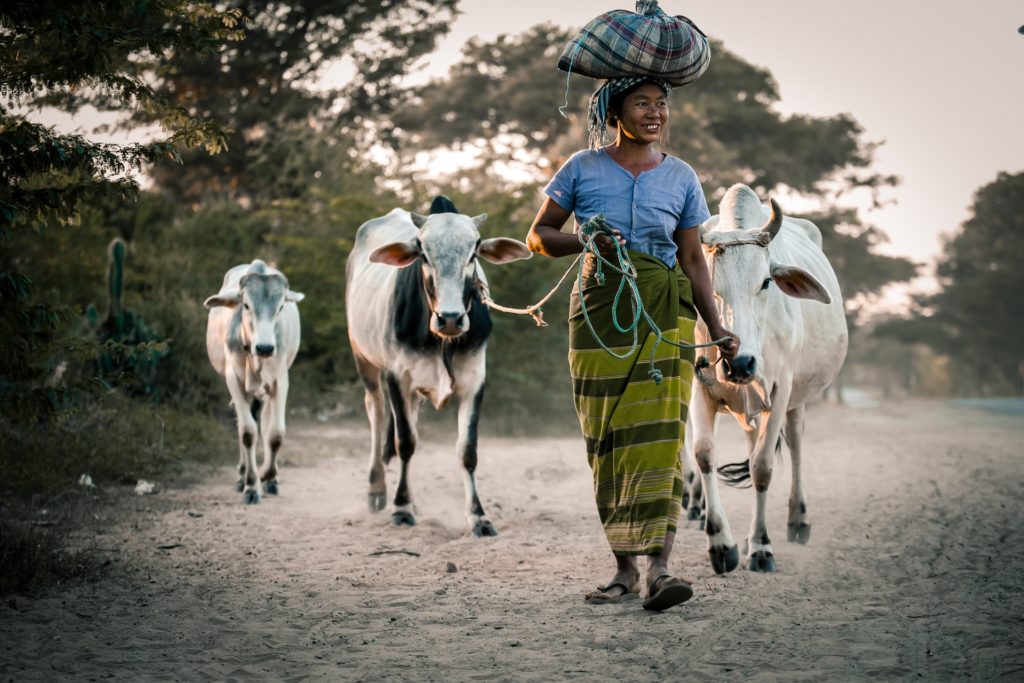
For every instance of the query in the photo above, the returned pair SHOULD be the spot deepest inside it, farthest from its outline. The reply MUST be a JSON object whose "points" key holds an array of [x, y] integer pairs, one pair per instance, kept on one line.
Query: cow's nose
{"points": [[741, 368], [451, 323], [264, 350]]}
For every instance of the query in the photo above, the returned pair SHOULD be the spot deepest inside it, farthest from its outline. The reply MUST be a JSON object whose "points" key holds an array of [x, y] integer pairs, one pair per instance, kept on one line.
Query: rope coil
{"points": [[588, 235]]}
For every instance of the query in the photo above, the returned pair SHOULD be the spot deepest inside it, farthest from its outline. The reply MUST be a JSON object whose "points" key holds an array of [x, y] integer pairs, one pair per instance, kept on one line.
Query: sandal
{"points": [[601, 597], [667, 591]]}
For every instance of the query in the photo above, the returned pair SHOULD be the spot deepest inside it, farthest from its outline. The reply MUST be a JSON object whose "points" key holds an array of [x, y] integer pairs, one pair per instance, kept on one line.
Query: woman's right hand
{"points": [[606, 243]]}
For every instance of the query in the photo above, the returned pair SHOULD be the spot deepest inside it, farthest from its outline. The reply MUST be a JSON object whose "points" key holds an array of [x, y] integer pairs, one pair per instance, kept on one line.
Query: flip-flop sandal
{"points": [[672, 592], [601, 597]]}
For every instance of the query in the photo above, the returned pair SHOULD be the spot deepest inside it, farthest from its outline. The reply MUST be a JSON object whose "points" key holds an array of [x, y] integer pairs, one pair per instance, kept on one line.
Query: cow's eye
{"points": [[245, 306], [764, 285]]}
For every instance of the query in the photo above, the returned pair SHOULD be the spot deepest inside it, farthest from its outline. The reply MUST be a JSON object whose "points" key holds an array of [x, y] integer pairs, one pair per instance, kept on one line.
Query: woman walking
{"points": [[634, 426]]}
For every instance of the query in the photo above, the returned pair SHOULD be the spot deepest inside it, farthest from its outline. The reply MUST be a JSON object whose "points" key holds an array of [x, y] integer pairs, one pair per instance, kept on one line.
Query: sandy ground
{"points": [[915, 570]]}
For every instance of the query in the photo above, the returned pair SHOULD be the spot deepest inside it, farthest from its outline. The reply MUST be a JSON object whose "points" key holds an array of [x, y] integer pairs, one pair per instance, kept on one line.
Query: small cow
{"points": [[419, 329], [252, 336], [778, 292]]}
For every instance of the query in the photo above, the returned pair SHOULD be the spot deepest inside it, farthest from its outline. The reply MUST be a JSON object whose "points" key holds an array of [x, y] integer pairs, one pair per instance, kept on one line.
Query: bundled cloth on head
{"points": [[630, 47], [647, 42]]}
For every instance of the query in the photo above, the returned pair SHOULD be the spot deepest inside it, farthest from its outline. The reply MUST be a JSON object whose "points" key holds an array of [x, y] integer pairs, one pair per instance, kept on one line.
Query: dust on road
{"points": [[915, 569]]}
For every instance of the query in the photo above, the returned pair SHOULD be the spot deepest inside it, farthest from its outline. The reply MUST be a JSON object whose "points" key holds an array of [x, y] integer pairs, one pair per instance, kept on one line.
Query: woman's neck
{"points": [[634, 156]]}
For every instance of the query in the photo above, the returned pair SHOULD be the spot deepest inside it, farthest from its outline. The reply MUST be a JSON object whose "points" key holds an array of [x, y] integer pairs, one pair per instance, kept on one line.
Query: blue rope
{"points": [[588, 234]]}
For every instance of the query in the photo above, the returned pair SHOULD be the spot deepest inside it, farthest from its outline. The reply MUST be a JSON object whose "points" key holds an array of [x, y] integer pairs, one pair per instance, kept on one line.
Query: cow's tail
{"points": [[737, 474], [442, 204]]}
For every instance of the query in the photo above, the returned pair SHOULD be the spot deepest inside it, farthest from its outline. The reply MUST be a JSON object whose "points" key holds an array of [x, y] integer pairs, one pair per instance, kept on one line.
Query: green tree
{"points": [[975, 318], [500, 101], [71, 54], [333, 66]]}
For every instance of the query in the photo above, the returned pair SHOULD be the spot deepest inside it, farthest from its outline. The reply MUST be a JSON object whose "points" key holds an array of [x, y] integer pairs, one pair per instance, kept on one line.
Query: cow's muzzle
{"points": [[264, 350], [450, 324], [740, 369]]}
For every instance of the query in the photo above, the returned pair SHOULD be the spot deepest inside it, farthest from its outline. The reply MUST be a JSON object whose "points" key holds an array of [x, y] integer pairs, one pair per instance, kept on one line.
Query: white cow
{"points": [[778, 292], [419, 330], [252, 336]]}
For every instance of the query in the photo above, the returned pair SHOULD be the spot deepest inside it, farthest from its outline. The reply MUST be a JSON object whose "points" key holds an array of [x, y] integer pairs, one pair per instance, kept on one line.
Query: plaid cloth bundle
{"points": [[647, 42]]}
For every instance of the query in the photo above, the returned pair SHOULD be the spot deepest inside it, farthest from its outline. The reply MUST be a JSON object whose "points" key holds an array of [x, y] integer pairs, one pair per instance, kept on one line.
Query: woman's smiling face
{"points": [[644, 113]]}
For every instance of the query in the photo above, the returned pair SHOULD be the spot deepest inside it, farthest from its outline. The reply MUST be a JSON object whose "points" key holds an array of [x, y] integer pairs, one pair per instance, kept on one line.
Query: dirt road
{"points": [[915, 570]]}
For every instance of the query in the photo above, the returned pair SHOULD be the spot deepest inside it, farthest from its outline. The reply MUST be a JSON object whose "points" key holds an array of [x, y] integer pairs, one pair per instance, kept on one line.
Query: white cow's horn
{"points": [[774, 221]]}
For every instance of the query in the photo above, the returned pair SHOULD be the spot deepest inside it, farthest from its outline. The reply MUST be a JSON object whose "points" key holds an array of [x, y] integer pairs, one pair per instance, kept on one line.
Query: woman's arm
{"points": [[546, 236], [691, 260]]}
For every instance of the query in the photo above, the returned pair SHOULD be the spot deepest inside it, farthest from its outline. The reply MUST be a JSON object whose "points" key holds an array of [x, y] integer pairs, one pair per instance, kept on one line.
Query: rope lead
{"points": [[588, 234]]}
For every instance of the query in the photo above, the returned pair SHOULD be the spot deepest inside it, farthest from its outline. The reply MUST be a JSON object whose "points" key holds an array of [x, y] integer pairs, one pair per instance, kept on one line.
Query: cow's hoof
{"points": [[271, 487], [799, 532], [484, 528], [403, 517], [703, 522], [761, 561], [239, 486], [724, 559], [251, 497], [693, 513], [377, 501], [686, 499]]}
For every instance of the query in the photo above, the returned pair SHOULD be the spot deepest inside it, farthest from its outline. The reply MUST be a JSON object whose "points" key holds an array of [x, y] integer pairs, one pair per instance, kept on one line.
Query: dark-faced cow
{"points": [[418, 330], [252, 336], [778, 292]]}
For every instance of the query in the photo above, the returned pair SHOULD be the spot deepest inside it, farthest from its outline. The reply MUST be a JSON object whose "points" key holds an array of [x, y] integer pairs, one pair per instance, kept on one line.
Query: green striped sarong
{"points": [[633, 427]]}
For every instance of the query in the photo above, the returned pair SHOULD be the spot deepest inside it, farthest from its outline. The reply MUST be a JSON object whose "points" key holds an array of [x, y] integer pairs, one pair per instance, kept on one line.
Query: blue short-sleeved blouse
{"points": [[646, 209]]}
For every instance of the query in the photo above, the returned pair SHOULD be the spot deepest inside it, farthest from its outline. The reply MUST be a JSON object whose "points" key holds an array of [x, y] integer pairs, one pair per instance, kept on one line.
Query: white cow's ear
{"points": [[479, 220], [707, 226], [398, 254], [799, 284], [294, 297], [417, 219], [229, 300], [503, 250]]}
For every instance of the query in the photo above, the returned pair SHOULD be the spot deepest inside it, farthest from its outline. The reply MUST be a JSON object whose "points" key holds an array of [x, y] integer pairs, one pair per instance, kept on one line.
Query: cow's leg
{"points": [[466, 449], [760, 557], [722, 548], [693, 489], [248, 431], [405, 409], [799, 527], [389, 437], [255, 406], [272, 427], [375, 405]]}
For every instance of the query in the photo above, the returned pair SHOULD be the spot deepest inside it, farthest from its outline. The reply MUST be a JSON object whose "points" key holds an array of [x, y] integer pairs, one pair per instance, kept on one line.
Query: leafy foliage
{"points": [[79, 53], [331, 66], [501, 103], [976, 317]]}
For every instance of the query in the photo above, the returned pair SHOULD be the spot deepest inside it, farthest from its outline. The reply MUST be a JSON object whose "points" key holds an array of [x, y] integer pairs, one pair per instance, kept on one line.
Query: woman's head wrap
{"points": [[597, 114]]}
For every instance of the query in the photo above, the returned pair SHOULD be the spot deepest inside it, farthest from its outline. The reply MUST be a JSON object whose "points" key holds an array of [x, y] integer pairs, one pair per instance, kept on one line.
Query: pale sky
{"points": [[940, 83]]}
